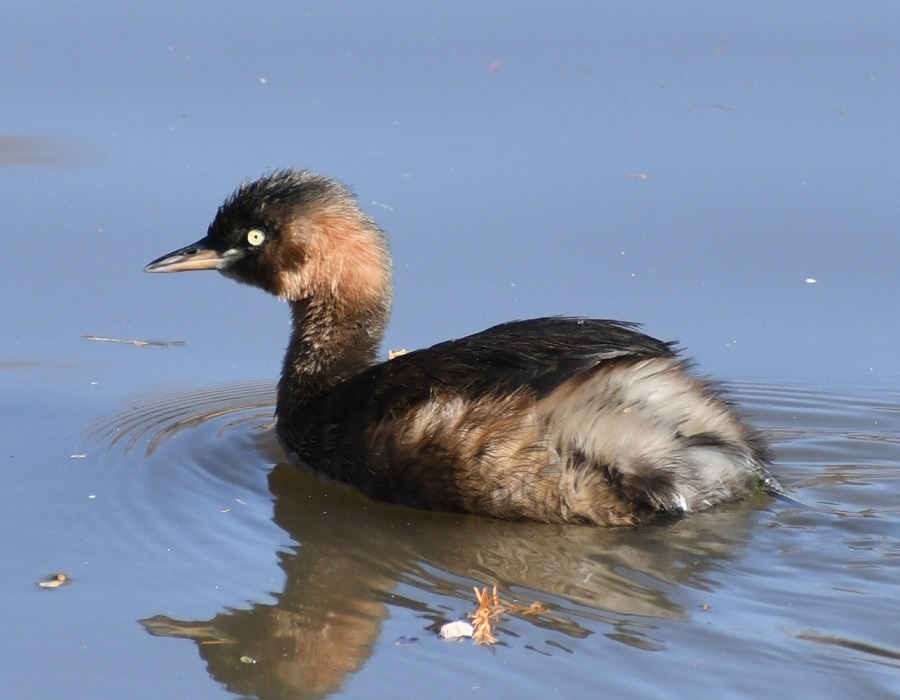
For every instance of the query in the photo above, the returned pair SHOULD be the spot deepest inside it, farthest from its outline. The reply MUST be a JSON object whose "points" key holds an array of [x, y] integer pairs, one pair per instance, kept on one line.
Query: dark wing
{"points": [[539, 354]]}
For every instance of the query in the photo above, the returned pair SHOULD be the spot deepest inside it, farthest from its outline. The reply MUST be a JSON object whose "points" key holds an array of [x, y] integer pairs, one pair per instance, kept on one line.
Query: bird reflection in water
{"points": [[353, 554]]}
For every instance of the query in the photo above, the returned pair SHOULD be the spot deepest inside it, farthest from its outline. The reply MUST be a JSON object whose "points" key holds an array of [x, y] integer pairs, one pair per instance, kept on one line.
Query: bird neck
{"points": [[327, 346]]}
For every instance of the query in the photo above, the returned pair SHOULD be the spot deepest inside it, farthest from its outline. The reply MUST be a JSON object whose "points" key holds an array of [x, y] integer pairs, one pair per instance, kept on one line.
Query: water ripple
{"points": [[156, 418]]}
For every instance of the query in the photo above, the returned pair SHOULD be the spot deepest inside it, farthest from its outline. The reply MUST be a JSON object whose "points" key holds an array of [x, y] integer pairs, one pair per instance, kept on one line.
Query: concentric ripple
{"points": [[184, 488], [155, 418]]}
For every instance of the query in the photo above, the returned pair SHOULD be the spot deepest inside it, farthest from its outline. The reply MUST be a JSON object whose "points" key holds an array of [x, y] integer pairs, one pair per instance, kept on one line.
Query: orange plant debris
{"points": [[490, 607]]}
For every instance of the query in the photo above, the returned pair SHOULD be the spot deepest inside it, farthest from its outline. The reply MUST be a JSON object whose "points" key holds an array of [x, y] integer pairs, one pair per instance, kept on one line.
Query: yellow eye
{"points": [[255, 237]]}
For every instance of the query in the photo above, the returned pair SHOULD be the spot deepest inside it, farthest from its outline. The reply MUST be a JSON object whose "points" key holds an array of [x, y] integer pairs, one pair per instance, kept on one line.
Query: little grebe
{"points": [[552, 419]]}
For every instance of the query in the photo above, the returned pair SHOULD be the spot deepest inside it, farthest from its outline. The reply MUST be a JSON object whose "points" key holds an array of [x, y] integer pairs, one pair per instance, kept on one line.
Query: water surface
{"points": [[723, 174]]}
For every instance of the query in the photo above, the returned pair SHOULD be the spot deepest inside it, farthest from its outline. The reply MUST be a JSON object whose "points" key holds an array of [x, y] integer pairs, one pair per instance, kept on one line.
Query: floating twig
{"points": [[138, 343]]}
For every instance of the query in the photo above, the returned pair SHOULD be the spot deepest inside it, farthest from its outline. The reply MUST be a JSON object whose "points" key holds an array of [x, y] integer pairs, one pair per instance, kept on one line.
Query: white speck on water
{"points": [[456, 630]]}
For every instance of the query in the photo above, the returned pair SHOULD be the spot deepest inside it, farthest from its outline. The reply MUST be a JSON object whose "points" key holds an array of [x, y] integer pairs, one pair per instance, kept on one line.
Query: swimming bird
{"points": [[561, 419]]}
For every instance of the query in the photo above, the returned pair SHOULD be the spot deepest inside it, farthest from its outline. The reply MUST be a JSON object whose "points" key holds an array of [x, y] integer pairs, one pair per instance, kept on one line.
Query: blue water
{"points": [[723, 174]]}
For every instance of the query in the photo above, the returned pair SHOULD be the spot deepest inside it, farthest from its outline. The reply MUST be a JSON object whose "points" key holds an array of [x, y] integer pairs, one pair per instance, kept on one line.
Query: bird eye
{"points": [[255, 237]]}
